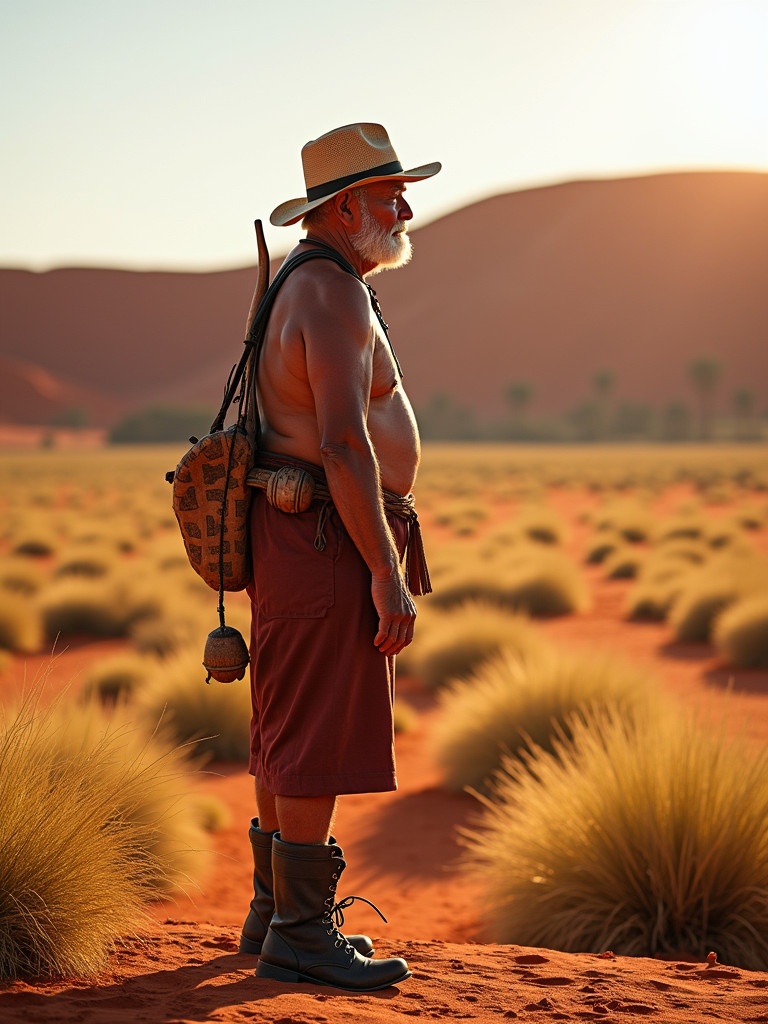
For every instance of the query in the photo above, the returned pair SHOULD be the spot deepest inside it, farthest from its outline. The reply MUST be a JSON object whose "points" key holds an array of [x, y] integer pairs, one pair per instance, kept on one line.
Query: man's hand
{"points": [[397, 613]]}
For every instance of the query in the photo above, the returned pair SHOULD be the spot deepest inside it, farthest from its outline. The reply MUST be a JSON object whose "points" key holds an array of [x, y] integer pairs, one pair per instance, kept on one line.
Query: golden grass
{"points": [[459, 639], [509, 703], [215, 717], [102, 607], [533, 579], [625, 563], [710, 589], [741, 631], [645, 838], [83, 813], [85, 559], [540, 524], [21, 576], [628, 519], [21, 628], [116, 677], [599, 549]]}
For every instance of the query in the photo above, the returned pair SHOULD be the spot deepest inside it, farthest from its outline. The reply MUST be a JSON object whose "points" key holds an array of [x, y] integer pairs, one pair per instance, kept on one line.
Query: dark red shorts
{"points": [[322, 694]]}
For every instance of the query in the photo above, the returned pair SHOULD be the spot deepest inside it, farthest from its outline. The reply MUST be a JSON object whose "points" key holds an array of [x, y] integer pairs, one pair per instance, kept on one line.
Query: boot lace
{"points": [[334, 915]]}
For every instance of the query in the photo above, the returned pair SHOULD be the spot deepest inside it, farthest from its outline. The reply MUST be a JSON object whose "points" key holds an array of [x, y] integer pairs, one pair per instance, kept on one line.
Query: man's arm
{"points": [[339, 347]]}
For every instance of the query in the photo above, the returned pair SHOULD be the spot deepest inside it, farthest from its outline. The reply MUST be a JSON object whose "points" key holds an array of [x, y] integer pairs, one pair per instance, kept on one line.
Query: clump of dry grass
{"points": [[169, 799], [215, 717], [462, 515], [630, 520], [644, 838], [510, 703], [34, 543], [538, 582], [98, 607], [602, 547], [20, 625], [540, 524], [460, 639], [682, 526], [625, 563], [662, 579], [710, 589], [21, 576], [78, 858], [116, 677], [741, 632], [87, 560]]}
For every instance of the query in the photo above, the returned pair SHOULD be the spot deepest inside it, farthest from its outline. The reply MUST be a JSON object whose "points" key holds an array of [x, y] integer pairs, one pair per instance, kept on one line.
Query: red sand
{"points": [[402, 854]]}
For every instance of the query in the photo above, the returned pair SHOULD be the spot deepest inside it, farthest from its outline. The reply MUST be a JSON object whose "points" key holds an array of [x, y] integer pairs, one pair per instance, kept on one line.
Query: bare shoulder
{"points": [[322, 297]]}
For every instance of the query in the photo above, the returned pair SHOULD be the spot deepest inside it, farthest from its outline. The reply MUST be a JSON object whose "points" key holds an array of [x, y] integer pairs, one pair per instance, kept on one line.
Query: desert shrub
{"points": [[21, 576], [100, 608], [166, 634], [211, 814], [509, 703], [651, 602], [86, 560], [542, 583], [681, 527], [20, 625], [34, 545], [644, 838], [662, 579], [710, 590], [461, 638], [215, 717], [750, 517], [624, 564], [686, 550], [169, 798], [116, 677], [630, 520], [540, 524], [601, 548], [80, 821], [741, 632]]}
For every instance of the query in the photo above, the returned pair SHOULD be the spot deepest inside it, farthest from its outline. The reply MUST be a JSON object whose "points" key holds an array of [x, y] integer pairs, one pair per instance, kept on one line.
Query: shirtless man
{"points": [[331, 606]]}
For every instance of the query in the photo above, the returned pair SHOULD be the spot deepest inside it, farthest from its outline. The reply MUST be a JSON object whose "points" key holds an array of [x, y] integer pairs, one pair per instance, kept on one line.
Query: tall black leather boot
{"points": [[263, 902], [303, 942]]}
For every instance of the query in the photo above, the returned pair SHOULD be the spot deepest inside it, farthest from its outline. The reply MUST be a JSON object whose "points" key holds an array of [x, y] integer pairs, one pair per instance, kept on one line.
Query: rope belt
{"points": [[292, 485]]}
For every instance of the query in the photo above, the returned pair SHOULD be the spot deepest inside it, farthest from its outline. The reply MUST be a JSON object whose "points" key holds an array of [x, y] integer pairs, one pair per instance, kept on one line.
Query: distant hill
{"points": [[638, 276]]}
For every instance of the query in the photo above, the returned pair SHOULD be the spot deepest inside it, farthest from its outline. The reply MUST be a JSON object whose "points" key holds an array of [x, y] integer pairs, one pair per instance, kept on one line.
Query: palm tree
{"points": [[705, 376]]}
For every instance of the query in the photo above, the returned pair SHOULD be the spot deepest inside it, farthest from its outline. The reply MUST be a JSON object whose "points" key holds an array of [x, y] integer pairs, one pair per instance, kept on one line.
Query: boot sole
{"points": [[275, 973], [253, 947]]}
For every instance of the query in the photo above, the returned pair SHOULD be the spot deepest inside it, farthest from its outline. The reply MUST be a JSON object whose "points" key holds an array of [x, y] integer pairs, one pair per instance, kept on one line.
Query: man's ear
{"points": [[346, 208]]}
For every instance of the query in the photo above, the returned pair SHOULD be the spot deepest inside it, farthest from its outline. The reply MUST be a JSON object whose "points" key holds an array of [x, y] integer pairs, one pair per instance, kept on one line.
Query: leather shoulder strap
{"points": [[258, 329]]}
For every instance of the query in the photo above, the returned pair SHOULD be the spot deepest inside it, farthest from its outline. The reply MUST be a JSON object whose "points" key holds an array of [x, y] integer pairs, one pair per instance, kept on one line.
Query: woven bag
{"points": [[211, 501]]}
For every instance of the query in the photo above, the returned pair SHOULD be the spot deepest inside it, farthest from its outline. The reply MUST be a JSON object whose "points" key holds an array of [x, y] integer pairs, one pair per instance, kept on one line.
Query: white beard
{"points": [[388, 250]]}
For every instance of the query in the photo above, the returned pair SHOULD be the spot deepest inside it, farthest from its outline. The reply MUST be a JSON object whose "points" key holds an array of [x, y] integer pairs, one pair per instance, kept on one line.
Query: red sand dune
{"points": [[402, 852], [639, 276]]}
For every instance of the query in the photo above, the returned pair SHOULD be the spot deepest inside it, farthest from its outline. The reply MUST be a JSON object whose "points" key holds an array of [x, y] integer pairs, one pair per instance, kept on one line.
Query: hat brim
{"points": [[294, 209]]}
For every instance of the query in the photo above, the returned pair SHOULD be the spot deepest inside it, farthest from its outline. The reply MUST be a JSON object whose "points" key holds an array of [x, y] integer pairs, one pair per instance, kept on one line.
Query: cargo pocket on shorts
{"points": [[297, 582]]}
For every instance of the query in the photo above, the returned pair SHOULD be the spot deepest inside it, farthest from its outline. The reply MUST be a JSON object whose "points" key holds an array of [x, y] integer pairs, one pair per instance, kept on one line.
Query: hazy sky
{"points": [[151, 133]]}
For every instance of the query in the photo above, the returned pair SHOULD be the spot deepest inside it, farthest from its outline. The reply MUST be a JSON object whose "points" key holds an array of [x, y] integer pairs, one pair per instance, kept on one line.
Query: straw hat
{"points": [[353, 155]]}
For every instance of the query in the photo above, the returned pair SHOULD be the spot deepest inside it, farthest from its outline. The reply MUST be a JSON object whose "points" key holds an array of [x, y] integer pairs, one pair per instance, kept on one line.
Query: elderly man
{"points": [[331, 605]]}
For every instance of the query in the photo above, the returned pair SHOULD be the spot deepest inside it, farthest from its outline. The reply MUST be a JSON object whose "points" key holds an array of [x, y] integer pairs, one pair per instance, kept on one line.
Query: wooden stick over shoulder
{"points": [[262, 280]]}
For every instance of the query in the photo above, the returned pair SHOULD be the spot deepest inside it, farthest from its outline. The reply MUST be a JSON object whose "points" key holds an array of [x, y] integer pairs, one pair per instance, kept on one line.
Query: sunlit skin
{"points": [[330, 393]]}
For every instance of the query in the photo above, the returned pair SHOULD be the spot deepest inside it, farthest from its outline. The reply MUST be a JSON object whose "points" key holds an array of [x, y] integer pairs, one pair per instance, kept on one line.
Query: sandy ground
{"points": [[402, 853]]}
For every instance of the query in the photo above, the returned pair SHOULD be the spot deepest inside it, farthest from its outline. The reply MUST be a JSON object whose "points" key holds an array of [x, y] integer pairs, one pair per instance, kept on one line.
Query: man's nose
{"points": [[404, 211]]}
